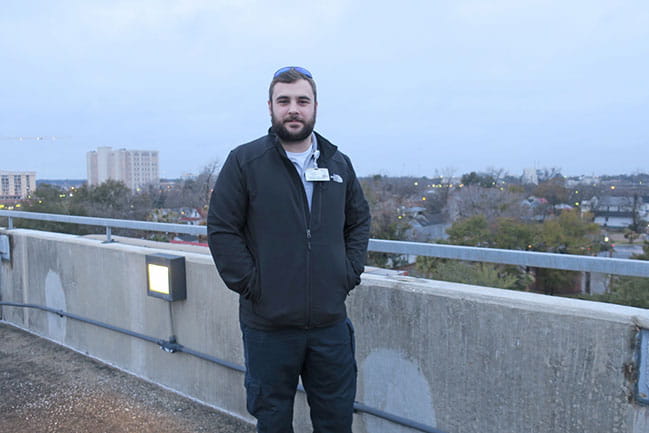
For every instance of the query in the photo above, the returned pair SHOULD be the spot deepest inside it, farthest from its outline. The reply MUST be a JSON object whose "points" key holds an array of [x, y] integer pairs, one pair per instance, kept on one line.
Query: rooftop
{"points": [[49, 388], [435, 356]]}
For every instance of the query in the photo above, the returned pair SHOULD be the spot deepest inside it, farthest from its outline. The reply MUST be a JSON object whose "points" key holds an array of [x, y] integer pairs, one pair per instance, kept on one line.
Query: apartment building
{"points": [[136, 168], [16, 185]]}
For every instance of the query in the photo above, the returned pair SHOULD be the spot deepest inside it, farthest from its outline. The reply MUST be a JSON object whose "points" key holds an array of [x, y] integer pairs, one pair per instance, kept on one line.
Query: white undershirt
{"points": [[303, 161]]}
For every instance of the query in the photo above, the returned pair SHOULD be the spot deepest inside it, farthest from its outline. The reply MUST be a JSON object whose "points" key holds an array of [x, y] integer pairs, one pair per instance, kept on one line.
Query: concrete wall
{"points": [[460, 358]]}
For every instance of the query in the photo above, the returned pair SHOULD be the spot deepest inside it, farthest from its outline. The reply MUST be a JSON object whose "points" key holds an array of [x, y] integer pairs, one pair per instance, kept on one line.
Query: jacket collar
{"points": [[327, 148]]}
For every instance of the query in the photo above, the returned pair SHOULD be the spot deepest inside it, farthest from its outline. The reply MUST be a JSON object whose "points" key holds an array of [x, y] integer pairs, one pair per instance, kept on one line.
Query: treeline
{"points": [[631, 291], [111, 199], [568, 233], [494, 210], [485, 210]]}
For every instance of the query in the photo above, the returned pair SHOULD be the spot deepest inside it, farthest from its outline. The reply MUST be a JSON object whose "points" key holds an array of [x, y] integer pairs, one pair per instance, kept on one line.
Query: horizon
{"points": [[454, 176]]}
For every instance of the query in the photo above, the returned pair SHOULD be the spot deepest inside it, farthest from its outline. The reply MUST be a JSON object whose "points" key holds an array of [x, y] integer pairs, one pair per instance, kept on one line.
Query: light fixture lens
{"points": [[159, 279]]}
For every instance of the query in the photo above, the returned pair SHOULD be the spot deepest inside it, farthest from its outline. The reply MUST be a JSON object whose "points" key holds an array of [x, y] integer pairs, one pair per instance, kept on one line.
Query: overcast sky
{"points": [[404, 88]]}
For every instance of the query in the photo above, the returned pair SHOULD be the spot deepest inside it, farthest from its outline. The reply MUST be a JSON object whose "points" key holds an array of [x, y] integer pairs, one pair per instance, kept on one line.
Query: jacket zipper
{"points": [[308, 278], [307, 223]]}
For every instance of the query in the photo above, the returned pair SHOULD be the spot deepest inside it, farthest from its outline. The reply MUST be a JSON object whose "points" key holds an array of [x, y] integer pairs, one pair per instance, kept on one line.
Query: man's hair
{"points": [[291, 76]]}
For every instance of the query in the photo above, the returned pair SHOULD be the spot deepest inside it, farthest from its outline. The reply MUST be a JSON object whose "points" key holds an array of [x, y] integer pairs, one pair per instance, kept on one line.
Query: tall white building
{"points": [[16, 185], [530, 176], [136, 168]]}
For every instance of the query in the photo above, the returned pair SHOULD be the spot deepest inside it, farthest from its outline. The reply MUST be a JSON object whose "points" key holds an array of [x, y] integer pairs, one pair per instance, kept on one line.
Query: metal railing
{"points": [[568, 262], [170, 345], [523, 258]]}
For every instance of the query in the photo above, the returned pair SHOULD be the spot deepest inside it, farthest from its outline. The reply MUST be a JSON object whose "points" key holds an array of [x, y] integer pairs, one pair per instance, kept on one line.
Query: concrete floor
{"points": [[46, 388]]}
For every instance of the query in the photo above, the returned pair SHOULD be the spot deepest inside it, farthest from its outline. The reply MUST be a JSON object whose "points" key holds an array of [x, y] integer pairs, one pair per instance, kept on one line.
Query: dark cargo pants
{"points": [[323, 357]]}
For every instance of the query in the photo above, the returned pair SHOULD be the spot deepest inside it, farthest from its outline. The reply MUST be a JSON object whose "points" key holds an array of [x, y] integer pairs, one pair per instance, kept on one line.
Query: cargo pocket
{"points": [[253, 396]]}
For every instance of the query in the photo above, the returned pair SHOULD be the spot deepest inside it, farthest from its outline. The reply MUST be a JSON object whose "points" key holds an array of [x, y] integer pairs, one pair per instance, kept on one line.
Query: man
{"points": [[288, 229]]}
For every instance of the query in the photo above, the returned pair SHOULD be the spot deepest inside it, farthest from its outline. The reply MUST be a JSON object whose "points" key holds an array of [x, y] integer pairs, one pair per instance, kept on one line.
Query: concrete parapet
{"points": [[456, 357]]}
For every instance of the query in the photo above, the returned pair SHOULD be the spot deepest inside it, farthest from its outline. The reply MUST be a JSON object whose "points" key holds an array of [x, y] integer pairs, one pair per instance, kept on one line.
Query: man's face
{"points": [[293, 110]]}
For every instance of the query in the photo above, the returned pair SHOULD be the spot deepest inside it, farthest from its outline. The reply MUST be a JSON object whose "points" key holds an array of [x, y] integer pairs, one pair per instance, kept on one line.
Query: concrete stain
{"points": [[55, 298], [394, 384]]}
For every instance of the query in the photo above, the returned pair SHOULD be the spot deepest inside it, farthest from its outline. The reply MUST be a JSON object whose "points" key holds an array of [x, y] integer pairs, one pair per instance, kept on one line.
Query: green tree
{"points": [[110, 199], [555, 281], [479, 274], [568, 233], [631, 235], [48, 199], [506, 233], [554, 191], [473, 231], [631, 291], [483, 180], [514, 234]]}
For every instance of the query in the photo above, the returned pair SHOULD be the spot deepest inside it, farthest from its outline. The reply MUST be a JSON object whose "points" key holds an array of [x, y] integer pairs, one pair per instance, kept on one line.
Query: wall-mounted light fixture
{"points": [[165, 274]]}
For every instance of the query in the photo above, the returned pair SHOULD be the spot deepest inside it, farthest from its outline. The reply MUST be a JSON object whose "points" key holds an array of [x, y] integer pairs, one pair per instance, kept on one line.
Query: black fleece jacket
{"points": [[292, 267]]}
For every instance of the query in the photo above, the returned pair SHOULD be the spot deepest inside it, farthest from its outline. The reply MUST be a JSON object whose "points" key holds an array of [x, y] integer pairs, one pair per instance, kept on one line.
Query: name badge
{"points": [[316, 174]]}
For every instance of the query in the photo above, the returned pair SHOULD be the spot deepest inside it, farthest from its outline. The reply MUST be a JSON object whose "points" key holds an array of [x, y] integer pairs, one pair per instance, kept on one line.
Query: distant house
{"points": [[423, 227], [416, 212], [582, 180], [537, 207], [183, 215], [190, 216], [615, 211], [534, 202], [426, 233]]}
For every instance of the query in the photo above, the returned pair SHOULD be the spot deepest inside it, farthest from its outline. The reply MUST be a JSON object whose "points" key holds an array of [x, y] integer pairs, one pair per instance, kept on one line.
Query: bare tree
{"points": [[447, 174], [194, 192], [498, 174], [491, 202], [206, 180], [550, 173]]}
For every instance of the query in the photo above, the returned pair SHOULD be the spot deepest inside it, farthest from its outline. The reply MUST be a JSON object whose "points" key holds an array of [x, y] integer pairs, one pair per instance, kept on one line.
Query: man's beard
{"points": [[286, 135]]}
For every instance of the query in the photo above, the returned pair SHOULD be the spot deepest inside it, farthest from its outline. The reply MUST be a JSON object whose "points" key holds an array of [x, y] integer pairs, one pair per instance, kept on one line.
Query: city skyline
{"points": [[451, 86], [432, 173]]}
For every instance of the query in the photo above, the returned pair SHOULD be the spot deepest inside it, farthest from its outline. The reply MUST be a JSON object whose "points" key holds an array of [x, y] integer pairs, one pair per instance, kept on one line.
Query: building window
{"points": [[5, 185], [18, 185]]}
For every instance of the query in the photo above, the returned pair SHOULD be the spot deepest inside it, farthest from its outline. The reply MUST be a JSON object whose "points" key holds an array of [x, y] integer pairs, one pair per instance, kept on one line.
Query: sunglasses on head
{"points": [[299, 69]]}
